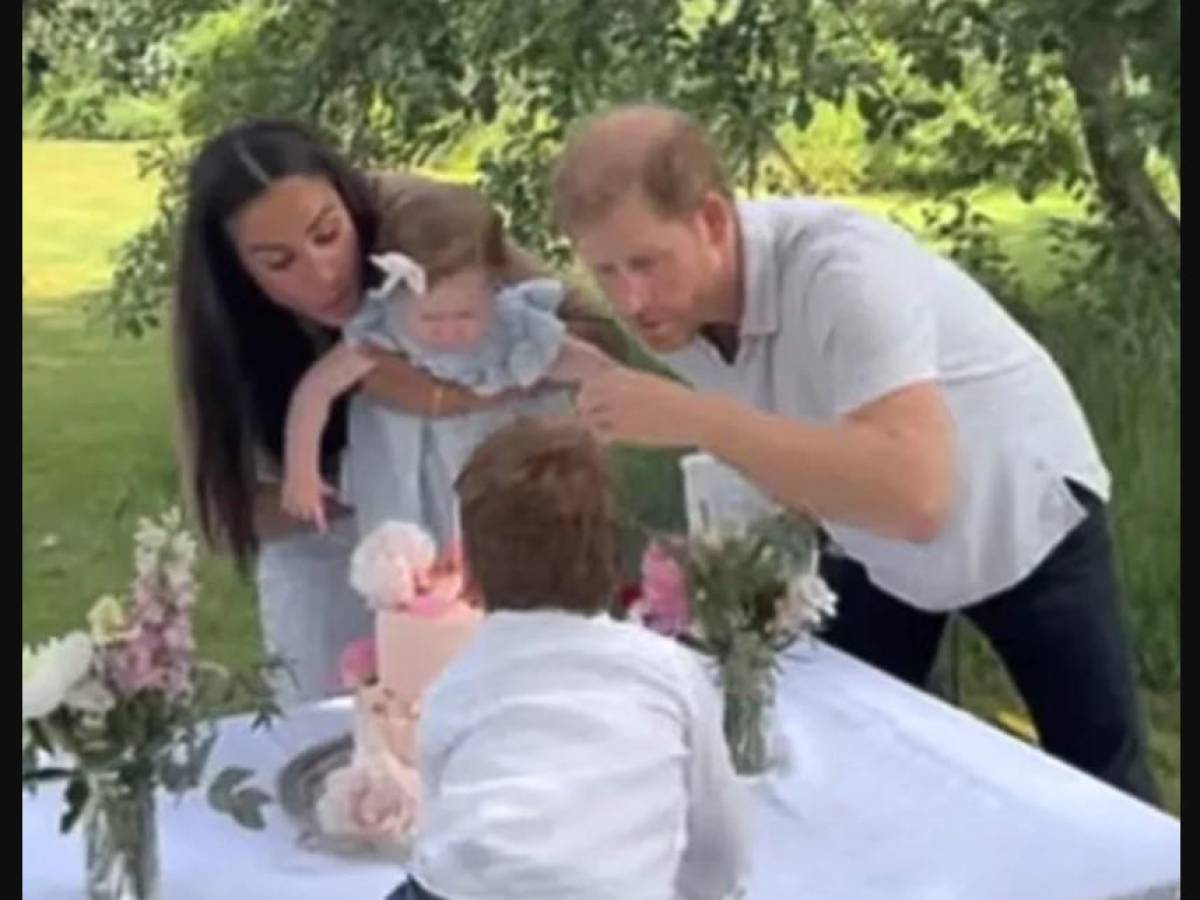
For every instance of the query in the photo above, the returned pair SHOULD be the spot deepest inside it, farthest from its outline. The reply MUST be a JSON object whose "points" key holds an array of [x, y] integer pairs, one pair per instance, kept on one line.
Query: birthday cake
{"points": [[422, 618]]}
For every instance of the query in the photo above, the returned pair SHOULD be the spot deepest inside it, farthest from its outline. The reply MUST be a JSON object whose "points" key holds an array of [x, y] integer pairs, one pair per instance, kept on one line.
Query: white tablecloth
{"points": [[892, 795]]}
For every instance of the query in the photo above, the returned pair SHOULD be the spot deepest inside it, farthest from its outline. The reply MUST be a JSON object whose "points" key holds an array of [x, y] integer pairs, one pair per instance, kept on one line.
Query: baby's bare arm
{"points": [[328, 378], [332, 375], [578, 361]]}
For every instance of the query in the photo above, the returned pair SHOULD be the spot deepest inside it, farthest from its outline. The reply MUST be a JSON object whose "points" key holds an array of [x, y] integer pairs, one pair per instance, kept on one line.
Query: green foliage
{"points": [[814, 95]]}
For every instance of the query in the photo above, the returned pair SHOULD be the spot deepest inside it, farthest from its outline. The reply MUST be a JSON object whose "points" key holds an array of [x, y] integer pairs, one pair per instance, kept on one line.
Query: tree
{"points": [[397, 83]]}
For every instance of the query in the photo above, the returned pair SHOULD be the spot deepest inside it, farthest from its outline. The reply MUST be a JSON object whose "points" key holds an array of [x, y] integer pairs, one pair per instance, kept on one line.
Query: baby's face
{"points": [[455, 314]]}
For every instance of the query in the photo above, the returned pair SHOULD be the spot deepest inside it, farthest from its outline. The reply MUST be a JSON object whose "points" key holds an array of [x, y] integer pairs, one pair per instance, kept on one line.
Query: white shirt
{"points": [[842, 309], [573, 758]]}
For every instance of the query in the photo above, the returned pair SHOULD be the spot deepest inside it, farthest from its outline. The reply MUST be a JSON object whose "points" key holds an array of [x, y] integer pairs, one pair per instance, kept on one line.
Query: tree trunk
{"points": [[1095, 71]]}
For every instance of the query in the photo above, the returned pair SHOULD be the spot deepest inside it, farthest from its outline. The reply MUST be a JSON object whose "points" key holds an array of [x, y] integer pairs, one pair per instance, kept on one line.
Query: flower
{"points": [[132, 664], [807, 603], [664, 600], [386, 565], [50, 672], [374, 798], [91, 697], [439, 588], [359, 664], [628, 595], [127, 681], [108, 621]]}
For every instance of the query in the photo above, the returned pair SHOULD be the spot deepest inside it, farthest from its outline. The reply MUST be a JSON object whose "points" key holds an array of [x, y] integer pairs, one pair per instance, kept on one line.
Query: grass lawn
{"points": [[96, 421]]}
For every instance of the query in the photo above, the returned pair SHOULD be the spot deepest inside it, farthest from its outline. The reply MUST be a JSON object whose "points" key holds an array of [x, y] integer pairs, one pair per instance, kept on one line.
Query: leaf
{"points": [[220, 792], [250, 817], [77, 794], [247, 808], [926, 109], [41, 775], [802, 111], [201, 754]]}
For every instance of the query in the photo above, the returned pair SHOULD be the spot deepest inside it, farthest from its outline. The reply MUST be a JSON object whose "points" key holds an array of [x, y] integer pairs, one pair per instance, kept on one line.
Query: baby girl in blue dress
{"points": [[442, 306]]}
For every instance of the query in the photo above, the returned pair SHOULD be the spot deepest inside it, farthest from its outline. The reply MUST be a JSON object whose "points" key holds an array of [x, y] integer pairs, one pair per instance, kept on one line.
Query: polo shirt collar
{"points": [[760, 296]]}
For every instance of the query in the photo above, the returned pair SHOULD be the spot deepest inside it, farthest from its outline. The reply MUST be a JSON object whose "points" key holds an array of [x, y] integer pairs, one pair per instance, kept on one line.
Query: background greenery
{"points": [[1037, 141]]}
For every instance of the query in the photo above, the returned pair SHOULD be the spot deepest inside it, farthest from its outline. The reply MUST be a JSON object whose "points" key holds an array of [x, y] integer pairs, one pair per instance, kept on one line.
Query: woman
{"points": [[275, 245]]}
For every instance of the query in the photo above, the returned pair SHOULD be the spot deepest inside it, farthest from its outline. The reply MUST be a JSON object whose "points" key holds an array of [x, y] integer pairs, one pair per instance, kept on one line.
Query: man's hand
{"points": [[628, 406]]}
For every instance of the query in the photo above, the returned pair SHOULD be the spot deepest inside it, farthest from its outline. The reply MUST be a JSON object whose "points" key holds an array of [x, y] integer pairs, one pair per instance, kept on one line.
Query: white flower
{"points": [[173, 519], [179, 574], [184, 548], [108, 621], [150, 536], [386, 563], [822, 598], [90, 696], [51, 671], [808, 602]]}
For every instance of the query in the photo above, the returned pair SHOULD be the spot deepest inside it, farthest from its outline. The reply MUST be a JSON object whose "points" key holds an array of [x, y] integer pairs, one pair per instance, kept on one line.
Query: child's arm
{"points": [[332, 375], [715, 860], [578, 361]]}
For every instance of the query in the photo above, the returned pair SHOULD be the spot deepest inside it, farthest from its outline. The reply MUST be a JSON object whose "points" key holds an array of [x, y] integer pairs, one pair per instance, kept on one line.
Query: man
{"points": [[851, 373]]}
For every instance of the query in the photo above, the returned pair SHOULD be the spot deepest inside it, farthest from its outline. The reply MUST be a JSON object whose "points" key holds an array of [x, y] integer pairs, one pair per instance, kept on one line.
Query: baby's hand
{"points": [[304, 496], [578, 361]]}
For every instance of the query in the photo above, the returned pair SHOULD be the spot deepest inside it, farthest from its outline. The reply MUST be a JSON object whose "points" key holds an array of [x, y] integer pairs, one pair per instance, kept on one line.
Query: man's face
{"points": [[659, 274]]}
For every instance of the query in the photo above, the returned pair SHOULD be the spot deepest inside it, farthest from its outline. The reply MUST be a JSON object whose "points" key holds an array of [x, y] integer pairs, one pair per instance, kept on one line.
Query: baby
{"points": [[562, 753], [442, 306]]}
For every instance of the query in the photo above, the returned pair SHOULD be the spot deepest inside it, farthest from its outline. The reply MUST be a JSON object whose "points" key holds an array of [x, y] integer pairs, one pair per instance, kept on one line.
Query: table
{"points": [[891, 795]]}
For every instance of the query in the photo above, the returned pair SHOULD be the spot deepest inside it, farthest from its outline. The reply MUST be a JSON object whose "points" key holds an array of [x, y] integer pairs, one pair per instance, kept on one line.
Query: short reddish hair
{"points": [[661, 152], [539, 518]]}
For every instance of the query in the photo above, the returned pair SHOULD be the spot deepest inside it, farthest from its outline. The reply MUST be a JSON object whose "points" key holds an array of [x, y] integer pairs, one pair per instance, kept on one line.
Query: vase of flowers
{"points": [[740, 595], [124, 709]]}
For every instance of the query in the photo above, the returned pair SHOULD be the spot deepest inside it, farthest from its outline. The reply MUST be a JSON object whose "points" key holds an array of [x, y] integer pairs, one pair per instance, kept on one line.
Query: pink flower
{"points": [[664, 599], [177, 636], [359, 664], [133, 663], [397, 567], [441, 586], [147, 603], [387, 564]]}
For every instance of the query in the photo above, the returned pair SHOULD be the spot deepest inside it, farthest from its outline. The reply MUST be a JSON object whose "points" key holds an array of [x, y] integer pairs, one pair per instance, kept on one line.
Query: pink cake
{"points": [[412, 651], [421, 621]]}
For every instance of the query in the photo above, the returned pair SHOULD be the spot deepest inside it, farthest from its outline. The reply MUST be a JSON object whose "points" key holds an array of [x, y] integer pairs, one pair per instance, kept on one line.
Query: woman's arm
{"points": [[397, 383]]}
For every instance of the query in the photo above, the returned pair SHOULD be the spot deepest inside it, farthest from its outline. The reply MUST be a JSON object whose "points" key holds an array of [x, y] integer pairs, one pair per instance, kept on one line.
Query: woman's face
{"points": [[298, 243]]}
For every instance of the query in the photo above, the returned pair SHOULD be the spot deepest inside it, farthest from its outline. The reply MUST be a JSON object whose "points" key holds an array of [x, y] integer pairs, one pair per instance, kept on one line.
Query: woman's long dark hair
{"points": [[238, 356]]}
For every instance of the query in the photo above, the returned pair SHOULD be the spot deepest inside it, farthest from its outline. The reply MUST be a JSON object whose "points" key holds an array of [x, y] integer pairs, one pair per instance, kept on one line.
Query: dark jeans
{"points": [[1060, 633], [410, 890]]}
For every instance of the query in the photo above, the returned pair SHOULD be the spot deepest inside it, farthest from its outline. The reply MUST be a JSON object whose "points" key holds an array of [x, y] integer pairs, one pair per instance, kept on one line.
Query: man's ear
{"points": [[715, 215]]}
